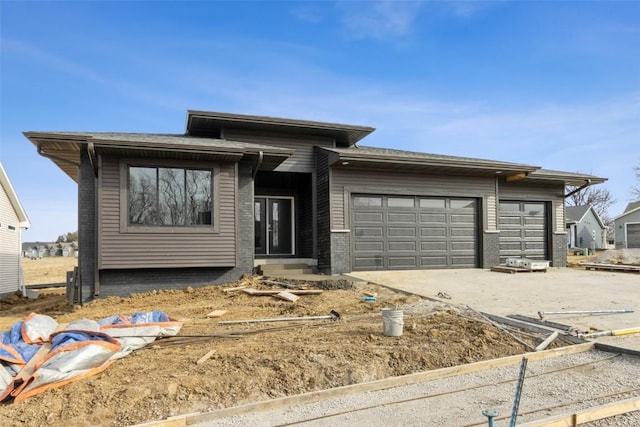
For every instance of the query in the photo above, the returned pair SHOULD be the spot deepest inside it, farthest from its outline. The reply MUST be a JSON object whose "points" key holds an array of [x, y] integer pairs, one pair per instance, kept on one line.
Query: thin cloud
{"points": [[379, 20], [80, 71]]}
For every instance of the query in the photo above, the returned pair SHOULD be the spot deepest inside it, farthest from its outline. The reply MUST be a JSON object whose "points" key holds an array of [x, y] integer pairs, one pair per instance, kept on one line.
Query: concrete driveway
{"points": [[527, 293]]}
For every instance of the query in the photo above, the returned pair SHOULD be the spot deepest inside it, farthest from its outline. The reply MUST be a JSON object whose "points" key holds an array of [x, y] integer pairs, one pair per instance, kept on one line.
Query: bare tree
{"points": [[635, 190], [598, 197], [142, 198]]}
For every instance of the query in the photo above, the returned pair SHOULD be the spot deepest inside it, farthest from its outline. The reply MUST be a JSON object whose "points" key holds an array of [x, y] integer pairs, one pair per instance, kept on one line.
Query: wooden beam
{"points": [[252, 291], [319, 395], [516, 177], [588, 415], [287, 296], [217, 313], [236, 288], [205, 357]]}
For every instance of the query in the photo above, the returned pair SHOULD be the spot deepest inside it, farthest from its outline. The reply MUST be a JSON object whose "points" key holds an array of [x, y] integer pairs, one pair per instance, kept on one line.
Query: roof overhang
{"points": [[23, 219], [437, 164], [568, 178], [64, 148], [207, 123]]}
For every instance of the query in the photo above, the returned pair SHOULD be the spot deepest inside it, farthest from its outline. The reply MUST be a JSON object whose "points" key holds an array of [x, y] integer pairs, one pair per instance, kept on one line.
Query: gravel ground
{"points": [[588, 379]]}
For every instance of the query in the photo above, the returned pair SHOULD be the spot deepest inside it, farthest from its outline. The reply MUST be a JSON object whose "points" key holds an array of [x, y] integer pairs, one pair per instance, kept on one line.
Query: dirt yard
{"points": [[267, 360]]}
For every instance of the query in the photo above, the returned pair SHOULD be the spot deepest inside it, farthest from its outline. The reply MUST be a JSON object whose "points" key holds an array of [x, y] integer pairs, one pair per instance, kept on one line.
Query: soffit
{"points": [[64, 148]]}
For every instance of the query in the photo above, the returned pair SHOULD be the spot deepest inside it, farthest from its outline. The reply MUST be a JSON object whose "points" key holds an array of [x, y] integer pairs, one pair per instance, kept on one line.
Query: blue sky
{"points": [[552, 84]]}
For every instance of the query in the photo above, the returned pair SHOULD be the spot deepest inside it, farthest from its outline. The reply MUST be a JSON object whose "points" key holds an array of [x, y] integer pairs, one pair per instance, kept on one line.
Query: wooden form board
{"points": [[316, 396], [611, 267], [588, 415], [513, 270], [287, 296], [217, 313], [252, 291]]}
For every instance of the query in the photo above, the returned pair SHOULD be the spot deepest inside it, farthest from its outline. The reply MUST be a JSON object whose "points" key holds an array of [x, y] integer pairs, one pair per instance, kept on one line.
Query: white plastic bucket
{"points": [[392, 322]]}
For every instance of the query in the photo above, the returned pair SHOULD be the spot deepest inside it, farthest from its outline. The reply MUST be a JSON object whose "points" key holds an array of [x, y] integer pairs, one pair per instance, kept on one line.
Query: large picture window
{"points": [[169, 196]]}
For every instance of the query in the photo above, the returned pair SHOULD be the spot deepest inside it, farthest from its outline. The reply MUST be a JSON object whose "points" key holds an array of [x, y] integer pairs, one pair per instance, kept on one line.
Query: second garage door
{"points": [[394, 232], [523, 230], [633, 236]]}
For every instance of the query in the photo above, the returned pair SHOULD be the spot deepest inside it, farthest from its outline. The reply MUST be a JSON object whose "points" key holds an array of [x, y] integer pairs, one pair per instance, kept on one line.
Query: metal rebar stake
{"points": [[490, 414], [516, 400]]}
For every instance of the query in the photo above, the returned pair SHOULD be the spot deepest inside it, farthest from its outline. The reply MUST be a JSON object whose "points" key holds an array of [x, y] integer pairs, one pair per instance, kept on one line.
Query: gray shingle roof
{"points": [[575, 213], [632, 205], [377, 152]]}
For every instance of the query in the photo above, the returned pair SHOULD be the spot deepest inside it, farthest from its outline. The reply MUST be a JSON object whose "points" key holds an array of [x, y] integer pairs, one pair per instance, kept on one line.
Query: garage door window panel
{"points": [[400, 202], [365, 201], [463, 204], [432, 203]]}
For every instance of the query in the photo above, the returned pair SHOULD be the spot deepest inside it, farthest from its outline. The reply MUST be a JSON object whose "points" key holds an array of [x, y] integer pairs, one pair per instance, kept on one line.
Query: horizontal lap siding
{"points": [[302, 160], [397, 183], [9, 246], [151, 250]]}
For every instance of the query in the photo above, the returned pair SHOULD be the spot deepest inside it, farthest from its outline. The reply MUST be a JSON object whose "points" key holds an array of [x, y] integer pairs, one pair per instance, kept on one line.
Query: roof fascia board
{"points": [[171, 150], [266, 120], [37, 137], [627, 213], [13, 199], [462, 163]]}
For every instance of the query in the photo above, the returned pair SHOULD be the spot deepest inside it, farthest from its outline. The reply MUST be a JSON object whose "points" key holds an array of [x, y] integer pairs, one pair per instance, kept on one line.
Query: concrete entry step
{"points": [[276, 270]]}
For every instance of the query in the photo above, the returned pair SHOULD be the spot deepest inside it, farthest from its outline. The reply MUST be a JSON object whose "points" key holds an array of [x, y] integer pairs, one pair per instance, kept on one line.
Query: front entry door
{"points": [[273, 218]]}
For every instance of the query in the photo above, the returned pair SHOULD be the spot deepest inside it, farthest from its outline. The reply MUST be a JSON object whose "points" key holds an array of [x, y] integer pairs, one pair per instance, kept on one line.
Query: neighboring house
{"points": [[585, 228], [627, 227], [237, 191], [13, 219], [41, 250], [35, 249]]}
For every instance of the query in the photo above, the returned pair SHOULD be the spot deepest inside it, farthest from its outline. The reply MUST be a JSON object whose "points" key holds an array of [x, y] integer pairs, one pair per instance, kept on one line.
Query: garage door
{"points": [[393, 232], [633, 236], [523, 230]]}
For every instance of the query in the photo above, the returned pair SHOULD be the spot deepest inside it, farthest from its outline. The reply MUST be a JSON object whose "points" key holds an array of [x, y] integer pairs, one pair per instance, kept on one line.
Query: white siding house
{"points": [[12, 220]]}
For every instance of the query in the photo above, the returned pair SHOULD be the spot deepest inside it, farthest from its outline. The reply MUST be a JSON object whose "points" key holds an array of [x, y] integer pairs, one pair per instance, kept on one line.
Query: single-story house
{"points": [[627, 227], [585, 228], [35, 249], [235, 192], [13, 219], [41, 250]]}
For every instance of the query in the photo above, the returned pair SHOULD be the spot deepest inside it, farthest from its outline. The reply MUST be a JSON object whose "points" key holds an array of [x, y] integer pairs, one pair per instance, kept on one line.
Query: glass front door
{"points": [[273, 218]]}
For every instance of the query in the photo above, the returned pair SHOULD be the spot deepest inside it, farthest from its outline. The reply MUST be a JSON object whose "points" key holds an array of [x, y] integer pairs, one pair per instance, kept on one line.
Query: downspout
{"points": [[255, 171], [93, 159], [91, 150], [587, 183], [96, 273]]}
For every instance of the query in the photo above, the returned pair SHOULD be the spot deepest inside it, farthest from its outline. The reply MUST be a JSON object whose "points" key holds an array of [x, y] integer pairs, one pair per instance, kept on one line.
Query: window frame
{"points": [[126, 227]]}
